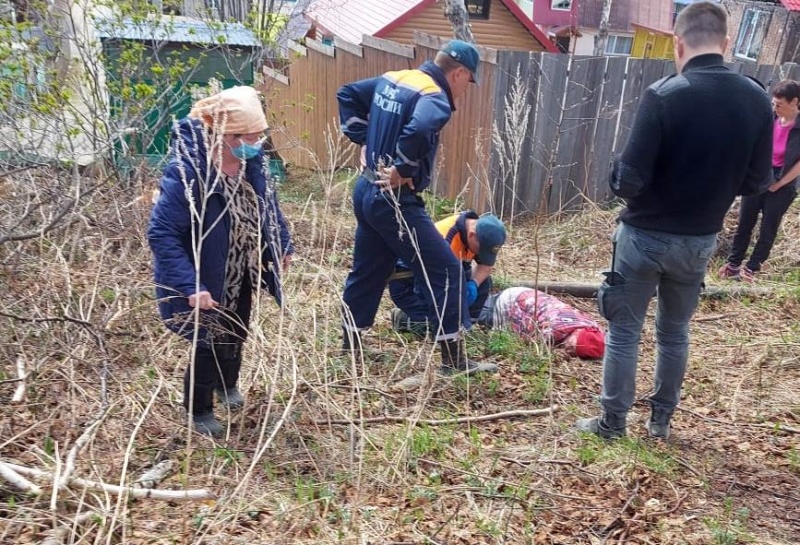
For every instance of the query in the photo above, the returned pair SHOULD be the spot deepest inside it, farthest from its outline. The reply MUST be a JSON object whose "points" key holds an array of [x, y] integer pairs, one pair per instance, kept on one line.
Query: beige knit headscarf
{"points": [[233, 111]]}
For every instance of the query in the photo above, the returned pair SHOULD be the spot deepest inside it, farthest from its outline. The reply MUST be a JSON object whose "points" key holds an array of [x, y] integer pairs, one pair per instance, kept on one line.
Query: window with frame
{"points": [[752, 33], [619, 45], [565, 5], [477, 9]]}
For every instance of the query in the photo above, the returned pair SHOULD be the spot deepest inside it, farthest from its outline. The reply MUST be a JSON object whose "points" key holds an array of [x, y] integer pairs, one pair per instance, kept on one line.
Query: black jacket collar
{"points": [[706, 60]]}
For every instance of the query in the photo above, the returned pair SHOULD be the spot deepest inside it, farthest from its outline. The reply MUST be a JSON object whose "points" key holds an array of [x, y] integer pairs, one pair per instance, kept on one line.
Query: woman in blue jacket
{"points": [[217, 233]]}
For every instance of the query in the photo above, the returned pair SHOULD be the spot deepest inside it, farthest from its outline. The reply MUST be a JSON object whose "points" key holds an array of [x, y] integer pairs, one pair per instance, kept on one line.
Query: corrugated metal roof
{"points": [[791, 5], [178, 29], [351, 19]]}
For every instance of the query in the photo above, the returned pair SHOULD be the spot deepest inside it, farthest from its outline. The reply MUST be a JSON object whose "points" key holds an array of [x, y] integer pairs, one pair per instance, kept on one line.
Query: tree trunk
{"points": [[456, 13], [602, 31]]}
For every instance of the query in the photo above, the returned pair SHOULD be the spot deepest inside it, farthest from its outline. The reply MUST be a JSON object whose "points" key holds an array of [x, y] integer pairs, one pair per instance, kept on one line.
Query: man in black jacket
{"points": [[700, 138]]}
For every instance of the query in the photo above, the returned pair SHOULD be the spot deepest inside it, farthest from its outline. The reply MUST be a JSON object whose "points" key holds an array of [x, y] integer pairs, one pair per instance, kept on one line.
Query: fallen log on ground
{"points": [[589, 291]]}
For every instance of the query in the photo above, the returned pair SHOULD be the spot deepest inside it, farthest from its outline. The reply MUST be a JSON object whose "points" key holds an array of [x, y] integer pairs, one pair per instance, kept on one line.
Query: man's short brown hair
{"points": [[446, 62], [702, 24]]}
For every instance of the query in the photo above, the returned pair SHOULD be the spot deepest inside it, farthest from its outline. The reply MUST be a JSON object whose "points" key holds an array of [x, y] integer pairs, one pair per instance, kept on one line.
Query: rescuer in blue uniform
{"points": [[398, 116]]}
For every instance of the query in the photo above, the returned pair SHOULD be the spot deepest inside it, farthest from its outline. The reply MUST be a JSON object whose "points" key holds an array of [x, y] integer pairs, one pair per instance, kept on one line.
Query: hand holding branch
{"points": [[203, 300]]}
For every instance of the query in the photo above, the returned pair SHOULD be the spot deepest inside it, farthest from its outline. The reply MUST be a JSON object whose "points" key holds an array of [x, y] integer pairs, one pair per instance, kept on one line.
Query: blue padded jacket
{"points": [[398, 116], [176, 226]]}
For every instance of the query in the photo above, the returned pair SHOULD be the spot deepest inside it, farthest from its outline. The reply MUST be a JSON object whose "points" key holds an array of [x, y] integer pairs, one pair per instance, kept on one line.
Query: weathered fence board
{"points": [[520, 75], [583, 95], [547, 151], [549, 118], [508, 69], [766, 74], [631, 94], [601, 148], [793, 72]]}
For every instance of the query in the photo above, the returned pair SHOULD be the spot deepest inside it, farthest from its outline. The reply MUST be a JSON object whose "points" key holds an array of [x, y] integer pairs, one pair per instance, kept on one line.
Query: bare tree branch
{"points": [[443, 421], [140, 493]]}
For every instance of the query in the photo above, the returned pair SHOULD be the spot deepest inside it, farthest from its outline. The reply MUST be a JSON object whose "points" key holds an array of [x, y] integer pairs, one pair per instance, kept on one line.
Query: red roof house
{"points": [[499, 24]]}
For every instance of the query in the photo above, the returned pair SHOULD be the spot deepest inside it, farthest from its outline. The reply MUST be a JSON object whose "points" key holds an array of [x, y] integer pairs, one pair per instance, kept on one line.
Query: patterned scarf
{"points": [[243, 236]]}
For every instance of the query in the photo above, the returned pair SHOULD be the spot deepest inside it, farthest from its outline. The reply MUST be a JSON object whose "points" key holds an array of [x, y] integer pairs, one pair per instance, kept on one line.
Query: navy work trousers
{"points": [[408, 295], [391, 226]]}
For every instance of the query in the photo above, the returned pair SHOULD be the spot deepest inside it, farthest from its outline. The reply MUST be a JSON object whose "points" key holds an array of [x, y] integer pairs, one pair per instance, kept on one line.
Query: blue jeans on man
{"points": [[672, 267], [391, 226]]}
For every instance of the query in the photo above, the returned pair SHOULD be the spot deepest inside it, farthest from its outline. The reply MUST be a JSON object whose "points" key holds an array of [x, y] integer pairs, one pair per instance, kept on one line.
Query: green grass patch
{"points": [[529, 357], [304, 184], [537, 387], [441, 207], [731, 527], [626, 450], [430, 441], [793, 456], [227, 456], [307, 490], [500, 283]]}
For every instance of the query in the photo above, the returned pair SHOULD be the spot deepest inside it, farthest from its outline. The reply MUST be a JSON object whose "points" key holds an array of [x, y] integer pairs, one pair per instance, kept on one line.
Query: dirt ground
{"points": [[317, 457]]}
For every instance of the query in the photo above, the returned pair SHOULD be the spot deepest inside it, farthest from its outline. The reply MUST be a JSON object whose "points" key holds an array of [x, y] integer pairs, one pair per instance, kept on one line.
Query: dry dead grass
{"points": [[286, 474]]}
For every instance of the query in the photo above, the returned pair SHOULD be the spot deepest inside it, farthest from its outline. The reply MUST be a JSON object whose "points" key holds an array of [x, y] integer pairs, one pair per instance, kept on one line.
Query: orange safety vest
{"points": [[454, 230]]}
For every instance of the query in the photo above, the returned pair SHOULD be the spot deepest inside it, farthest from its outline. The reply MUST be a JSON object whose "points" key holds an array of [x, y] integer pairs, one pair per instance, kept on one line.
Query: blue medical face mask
{"points": [[246, 151]]}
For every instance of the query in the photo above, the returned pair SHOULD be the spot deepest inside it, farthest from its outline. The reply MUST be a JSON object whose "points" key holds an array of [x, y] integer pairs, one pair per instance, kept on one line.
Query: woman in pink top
{"points": [[774, 203]]}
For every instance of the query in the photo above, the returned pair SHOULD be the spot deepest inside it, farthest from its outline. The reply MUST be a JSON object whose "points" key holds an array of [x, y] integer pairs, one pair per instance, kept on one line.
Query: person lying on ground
{"points": [[537, 316]]}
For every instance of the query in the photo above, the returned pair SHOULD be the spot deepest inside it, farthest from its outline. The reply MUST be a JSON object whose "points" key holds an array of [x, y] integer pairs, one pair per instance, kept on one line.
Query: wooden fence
{"points": [[304, 115], [537, 135]]}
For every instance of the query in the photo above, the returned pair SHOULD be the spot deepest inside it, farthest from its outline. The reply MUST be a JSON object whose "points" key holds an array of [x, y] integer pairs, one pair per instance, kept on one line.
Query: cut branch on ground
{"points": [[442, 421]]}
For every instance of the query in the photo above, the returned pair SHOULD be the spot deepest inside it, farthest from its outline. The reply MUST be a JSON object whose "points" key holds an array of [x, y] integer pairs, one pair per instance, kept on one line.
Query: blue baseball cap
{"points": [[465, 54], [491, 237]]}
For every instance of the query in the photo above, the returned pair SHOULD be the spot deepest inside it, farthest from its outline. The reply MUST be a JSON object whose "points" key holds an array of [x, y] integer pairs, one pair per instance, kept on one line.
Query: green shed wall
{"points": [[231, 65]]}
